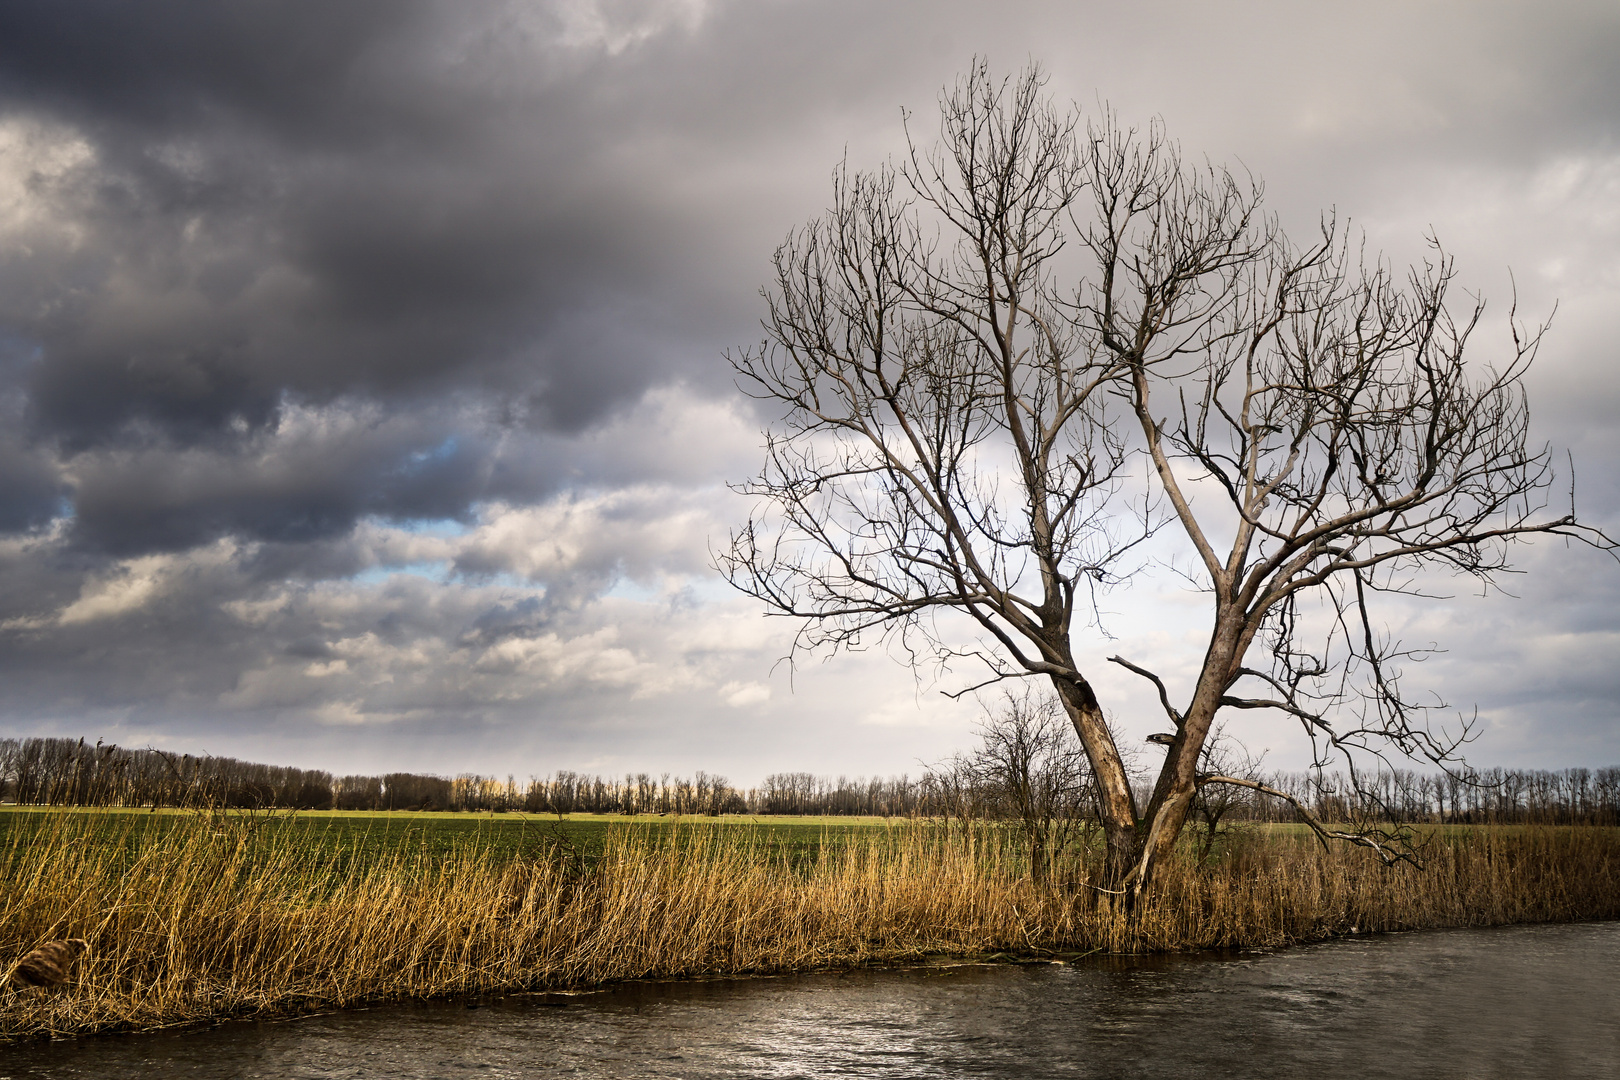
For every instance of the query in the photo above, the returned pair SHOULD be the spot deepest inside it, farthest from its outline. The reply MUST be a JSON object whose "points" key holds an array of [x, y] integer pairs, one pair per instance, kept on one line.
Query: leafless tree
{"points": [[972, 351], [1028, 768], [1222, 756]]}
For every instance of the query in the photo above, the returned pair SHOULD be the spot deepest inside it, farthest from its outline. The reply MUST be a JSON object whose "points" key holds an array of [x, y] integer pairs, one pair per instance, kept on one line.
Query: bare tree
{"points": [[1222, 757], [1028, 768], [960, 427]]}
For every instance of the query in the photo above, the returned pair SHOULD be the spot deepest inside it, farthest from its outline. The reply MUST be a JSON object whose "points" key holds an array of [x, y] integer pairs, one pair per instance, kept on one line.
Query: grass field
{"points": [[495, 835], [197, 916]]}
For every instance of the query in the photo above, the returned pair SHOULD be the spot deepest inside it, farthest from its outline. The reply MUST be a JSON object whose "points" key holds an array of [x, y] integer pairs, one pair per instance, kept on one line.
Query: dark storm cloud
{"points": [[31, 487], [302, 485], [305, 485], [166, 65], [274, 207], [30, 492]]}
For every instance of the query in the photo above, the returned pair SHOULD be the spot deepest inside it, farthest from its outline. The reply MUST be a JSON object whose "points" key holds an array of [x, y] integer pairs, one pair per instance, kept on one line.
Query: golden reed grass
{"points": [[207, 920]]}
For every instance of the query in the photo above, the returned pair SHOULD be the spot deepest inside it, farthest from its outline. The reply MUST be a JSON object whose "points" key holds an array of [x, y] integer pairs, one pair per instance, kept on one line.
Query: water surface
{"points": [[1540, 1001]]}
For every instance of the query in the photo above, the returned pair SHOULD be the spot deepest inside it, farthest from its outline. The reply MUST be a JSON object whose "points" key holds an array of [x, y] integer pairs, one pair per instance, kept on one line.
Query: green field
{"points": [[342, 836], [498, 835]]}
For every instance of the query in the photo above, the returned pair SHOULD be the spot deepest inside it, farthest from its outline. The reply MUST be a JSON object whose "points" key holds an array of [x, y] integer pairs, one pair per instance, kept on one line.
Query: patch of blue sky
{"points": [[505, 579], [698, 588], [445, 528], [17, 351], [434, 571], [710, 588], [625, 588], [422, 459]]}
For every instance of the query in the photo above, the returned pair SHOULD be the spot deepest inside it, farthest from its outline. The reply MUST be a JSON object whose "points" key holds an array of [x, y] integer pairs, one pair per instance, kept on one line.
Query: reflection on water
{"points": [[1512, 1002]]}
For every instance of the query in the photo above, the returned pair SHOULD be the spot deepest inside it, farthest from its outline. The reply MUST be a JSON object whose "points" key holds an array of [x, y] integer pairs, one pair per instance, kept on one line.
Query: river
{"points": [[1524, 1001]]}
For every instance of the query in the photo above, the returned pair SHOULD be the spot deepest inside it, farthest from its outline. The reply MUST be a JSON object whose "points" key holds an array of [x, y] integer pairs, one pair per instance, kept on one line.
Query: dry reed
{"points": [[207, 920]]}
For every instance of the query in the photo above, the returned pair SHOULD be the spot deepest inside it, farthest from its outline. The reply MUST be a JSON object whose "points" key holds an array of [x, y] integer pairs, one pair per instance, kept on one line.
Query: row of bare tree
{"points": [[1483, 797], [68, 772], [1028, 767]]}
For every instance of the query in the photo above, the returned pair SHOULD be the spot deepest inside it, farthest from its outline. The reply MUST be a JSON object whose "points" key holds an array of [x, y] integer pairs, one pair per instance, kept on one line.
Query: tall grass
{"points": [[213, 917]]}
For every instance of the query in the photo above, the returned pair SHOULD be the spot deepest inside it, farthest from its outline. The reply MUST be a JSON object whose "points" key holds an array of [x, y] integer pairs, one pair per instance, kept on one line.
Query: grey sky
{"points": [[362, 392]]}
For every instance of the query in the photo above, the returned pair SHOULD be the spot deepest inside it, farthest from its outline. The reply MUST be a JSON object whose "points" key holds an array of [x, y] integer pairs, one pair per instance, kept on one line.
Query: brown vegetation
{"points": [[210, 919]]}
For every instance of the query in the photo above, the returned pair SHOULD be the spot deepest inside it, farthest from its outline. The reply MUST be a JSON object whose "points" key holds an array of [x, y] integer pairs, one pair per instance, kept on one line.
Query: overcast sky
{"points": [[363, 401]]}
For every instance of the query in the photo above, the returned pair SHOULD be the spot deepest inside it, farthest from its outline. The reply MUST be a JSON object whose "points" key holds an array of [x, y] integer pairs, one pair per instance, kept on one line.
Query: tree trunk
{"points": [[1178, 781], [1115, 801], [1173, 794]]}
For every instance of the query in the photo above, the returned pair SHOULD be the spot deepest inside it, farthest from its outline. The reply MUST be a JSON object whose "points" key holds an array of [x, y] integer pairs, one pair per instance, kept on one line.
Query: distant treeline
{"points": [[65, 772], [1483, 797]]}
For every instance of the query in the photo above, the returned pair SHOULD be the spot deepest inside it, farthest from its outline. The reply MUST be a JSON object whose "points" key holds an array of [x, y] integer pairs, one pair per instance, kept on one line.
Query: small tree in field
{"points": [[1004, 363], [1027, 768], [1228, 761]]}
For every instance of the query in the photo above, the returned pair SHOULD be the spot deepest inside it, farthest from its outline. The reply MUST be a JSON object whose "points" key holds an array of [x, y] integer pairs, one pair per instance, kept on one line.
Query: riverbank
{"points": [[214, 916]]}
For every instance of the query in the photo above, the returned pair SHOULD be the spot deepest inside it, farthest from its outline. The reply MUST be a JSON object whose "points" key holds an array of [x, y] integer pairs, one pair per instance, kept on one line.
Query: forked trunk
{"points": [[1173, 794], [1159, 843], [1115, 801]]}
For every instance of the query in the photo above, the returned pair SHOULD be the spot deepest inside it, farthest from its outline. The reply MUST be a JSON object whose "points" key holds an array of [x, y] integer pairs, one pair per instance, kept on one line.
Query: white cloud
{"points": [[742, 694], [133, 584], [614, 27], [35, 158]]}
